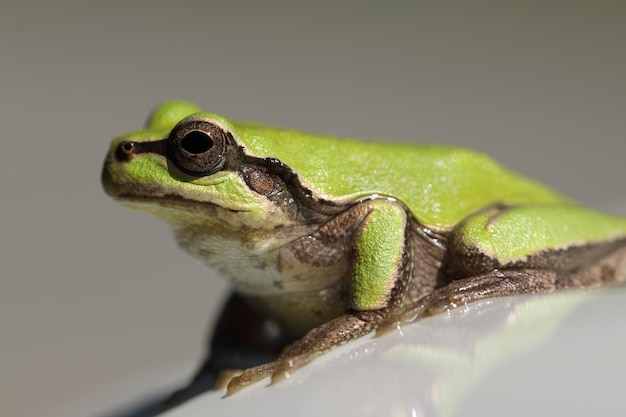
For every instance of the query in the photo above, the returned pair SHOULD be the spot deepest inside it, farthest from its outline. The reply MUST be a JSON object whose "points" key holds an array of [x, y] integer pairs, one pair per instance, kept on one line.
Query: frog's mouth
{"points": [[154, 198], [173, 202]]}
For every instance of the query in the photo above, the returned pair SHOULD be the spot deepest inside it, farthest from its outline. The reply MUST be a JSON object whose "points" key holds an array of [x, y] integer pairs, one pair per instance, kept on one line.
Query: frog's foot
{"points": [[318, 341], [225, 376], [250, 376], [286, 367], [468, 290], [278, 370]]}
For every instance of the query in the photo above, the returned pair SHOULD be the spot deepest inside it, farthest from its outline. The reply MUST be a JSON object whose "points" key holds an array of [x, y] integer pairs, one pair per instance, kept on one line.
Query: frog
{"points": [[326, 239]]}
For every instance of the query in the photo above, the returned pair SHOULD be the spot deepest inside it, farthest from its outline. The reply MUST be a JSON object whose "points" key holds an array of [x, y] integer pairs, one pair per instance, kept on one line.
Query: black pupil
{"points": [[196, 142]]}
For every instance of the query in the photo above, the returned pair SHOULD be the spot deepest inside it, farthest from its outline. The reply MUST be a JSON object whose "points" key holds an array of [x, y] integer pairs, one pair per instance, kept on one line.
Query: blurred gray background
{"points": [[97, 306]]}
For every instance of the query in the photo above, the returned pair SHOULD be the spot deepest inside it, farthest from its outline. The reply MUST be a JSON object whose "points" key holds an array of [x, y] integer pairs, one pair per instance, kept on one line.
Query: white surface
{"points": [[542, 355], [98, 308]]}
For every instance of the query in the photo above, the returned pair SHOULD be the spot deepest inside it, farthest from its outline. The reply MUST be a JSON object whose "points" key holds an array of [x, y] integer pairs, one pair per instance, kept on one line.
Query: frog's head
{"points": [[189, 168]]}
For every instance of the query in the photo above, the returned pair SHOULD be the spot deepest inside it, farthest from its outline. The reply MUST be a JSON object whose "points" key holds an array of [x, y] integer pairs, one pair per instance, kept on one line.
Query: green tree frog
{"points": [[332, 238]]}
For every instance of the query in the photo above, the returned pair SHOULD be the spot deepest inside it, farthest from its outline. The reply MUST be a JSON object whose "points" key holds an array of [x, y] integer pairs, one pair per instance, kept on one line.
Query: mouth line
{"points": [[173, 201]]}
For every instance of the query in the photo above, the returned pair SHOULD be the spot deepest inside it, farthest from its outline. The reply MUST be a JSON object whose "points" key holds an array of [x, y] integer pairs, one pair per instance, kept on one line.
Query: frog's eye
{"points": [[198, 147]]}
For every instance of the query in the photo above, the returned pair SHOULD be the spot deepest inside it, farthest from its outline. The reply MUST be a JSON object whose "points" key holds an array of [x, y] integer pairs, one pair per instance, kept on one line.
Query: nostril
{"points": [[130, 149], [125, 151]]}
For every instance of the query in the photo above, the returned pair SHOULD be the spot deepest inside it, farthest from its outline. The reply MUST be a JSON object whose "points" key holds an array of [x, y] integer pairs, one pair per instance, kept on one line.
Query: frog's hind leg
{"points": [[516, 281], [503, 251]]}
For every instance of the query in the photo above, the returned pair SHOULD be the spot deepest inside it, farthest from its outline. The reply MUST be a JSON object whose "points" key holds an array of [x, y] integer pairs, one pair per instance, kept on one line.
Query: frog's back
{"points": [[441, 185]]}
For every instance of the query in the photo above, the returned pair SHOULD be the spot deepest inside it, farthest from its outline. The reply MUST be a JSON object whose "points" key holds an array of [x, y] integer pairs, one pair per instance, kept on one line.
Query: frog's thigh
{"points": [[553, 237]]}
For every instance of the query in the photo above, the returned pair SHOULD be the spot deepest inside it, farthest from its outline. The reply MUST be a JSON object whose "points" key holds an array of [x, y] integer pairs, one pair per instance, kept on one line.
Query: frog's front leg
{"points": [[316, 342], [378, 282]]}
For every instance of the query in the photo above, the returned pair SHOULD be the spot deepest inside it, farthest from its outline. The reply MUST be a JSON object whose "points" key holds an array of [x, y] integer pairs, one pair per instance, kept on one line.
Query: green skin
{"points": [[335, 238]]}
